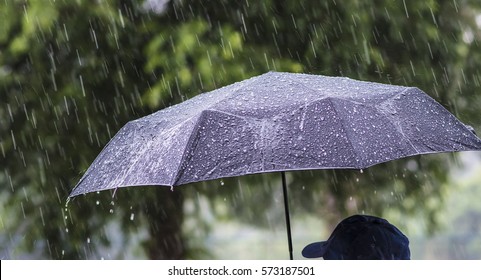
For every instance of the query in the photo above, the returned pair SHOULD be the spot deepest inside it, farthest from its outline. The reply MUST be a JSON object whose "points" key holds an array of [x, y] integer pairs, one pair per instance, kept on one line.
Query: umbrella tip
{"points": [[470, 128]]}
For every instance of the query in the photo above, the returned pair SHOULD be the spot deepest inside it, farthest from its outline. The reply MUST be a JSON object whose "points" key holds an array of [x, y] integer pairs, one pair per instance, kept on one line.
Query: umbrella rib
{"points": [[180, 168], [397, 125], [323, 96], [231, 94], [96, 161], [146, 147], [194, 131], [307, 87], [229, 114], [345, 130], [330, 98], [137, 159], [189, 146]]}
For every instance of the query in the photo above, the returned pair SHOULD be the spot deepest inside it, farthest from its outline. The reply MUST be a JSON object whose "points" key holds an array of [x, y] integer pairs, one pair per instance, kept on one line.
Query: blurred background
{"points": [[73, 72]]}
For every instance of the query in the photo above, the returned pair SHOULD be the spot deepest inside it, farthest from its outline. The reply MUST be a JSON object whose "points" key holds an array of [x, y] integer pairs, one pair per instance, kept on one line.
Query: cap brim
{"points": [[315, 250]]}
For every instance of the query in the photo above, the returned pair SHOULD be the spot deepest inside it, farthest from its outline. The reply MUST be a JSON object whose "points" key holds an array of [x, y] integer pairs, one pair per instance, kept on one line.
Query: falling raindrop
{"points": [[41, 216], [94, 37], [13, 140], [23, 210], [406, 8], [82, 85], [65, 31]]}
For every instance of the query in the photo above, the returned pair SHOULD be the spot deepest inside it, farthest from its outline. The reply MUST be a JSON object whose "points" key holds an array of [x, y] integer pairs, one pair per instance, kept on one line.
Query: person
{"points": [[362, 237]]}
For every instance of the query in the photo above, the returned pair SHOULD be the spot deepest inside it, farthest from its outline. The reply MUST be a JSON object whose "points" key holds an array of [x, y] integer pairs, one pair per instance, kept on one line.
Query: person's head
{"points": [[362, 237]]}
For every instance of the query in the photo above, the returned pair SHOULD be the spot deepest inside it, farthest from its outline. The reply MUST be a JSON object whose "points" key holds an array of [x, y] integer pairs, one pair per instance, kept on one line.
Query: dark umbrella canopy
{"points": [[276, 122]]}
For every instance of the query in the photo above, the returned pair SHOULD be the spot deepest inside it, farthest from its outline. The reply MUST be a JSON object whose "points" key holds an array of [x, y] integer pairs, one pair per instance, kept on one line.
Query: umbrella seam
{"points": [[345, 130], [137, 159], [307, 87], [407, 90], [215, 91], [87, 173], [230, 114], [189, 147], [231, 94], [323, 96], [180, 168], [299, 83]]}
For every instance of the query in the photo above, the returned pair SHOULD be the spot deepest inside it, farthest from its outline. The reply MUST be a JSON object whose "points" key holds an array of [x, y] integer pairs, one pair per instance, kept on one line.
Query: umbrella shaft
{"points": [[288, 219]]}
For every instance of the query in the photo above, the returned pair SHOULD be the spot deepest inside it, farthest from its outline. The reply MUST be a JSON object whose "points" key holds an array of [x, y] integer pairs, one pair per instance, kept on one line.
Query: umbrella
{"points": [[276, 122]]}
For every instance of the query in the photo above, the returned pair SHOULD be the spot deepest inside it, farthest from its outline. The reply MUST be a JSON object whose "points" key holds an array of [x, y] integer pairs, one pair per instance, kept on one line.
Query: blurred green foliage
{"points": [[73, 72]]}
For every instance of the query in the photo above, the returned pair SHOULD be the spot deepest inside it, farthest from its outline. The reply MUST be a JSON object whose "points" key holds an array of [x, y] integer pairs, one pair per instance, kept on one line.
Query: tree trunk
{"points": [[165, 218]]}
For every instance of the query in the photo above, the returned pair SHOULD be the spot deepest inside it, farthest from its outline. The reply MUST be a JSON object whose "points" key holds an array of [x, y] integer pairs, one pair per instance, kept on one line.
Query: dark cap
{"points": [[362, 237]]}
